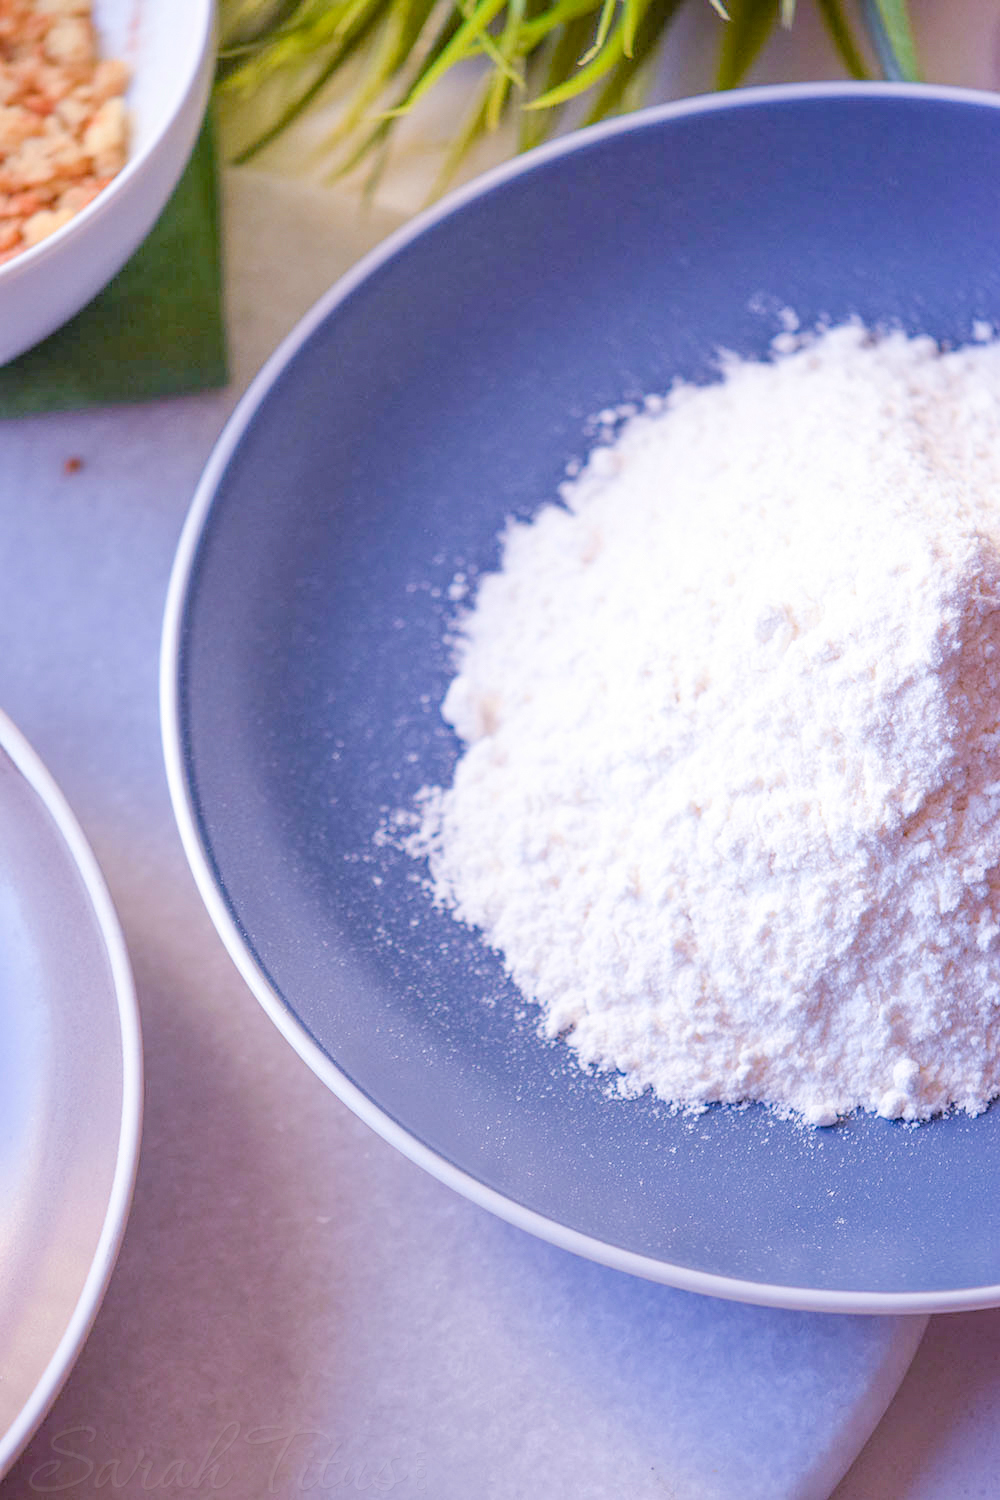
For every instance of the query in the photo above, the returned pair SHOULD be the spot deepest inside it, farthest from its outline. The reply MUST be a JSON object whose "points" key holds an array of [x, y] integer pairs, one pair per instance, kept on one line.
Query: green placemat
{"points": [[155, 330]]}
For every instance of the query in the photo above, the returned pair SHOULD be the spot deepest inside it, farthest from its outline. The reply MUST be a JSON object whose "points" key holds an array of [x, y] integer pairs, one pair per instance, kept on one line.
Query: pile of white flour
{"points": [[729, 805]]}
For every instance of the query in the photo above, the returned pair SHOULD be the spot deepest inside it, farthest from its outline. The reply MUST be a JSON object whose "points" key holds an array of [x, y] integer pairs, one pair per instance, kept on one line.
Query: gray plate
{"points": [[443, 386]]}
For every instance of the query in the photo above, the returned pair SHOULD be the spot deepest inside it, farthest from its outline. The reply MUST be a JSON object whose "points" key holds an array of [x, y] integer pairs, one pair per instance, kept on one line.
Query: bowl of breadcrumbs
{"points": [[100, 105]]}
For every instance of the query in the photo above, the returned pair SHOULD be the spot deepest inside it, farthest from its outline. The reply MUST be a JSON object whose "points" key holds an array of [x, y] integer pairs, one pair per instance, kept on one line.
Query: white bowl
{"points": [[169, 45]]}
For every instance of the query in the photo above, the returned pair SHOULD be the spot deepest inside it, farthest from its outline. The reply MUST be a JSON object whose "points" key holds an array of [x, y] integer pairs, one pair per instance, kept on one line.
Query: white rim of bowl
{"points": [[195, 83], [29, 764], [648, 1267]]}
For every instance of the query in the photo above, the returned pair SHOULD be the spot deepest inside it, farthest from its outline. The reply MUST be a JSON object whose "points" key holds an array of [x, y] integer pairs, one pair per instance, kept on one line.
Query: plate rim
{"points": [[762, 1293], [31, 767]]}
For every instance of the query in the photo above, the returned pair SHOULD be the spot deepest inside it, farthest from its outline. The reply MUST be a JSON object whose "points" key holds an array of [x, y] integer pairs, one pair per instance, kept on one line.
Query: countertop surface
{"points": [[296, 1307]]}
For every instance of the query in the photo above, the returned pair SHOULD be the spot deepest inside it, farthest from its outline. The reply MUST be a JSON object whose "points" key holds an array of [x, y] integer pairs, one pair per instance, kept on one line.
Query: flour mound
{"points": [[729, 804]]}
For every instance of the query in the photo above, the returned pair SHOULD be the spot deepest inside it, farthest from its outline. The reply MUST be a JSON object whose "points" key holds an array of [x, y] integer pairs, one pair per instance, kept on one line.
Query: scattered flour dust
{"points": [[729, 803]]}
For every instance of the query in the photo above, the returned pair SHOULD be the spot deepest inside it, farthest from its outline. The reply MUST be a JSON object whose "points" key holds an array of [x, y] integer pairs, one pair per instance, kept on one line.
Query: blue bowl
{"points": [[441, 387]]}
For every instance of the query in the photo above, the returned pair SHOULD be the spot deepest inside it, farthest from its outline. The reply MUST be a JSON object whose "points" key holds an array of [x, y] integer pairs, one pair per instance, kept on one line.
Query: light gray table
{"points": [[297, 1309]]}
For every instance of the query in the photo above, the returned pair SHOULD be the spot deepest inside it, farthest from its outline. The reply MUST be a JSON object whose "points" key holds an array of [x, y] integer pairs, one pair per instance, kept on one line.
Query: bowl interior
{"points": [[439, 390]]}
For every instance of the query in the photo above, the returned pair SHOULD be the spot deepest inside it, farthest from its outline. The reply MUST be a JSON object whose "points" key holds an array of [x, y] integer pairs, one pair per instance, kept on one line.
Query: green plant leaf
{"points": [[343, 44], [537, 27], [750, 24], [649, 34], [632, 18], [376, 137], [394, 48], [470, 37], [549, 60], [591, 73], [244, 21], [889, 26], [548, 64], [472, 128], [842, 37]]}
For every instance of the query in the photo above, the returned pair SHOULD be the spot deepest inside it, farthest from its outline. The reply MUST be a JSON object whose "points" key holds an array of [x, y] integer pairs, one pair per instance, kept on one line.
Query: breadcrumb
{"points": [[63, 121]]}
